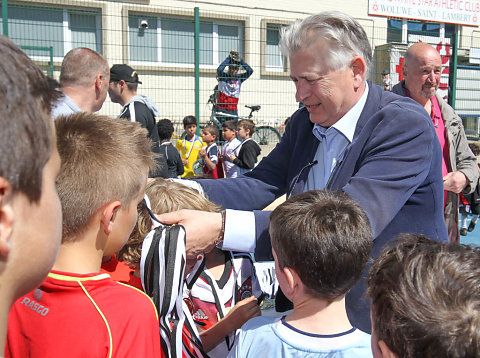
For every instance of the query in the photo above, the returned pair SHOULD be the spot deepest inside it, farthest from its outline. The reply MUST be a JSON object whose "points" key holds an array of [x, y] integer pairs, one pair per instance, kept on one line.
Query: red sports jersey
{"points": [[83, 316], [120, 271]]}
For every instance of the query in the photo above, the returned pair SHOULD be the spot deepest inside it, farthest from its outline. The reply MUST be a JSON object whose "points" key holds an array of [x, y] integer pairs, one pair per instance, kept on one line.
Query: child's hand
{"points": [[185, 162], [242, 312], [232, 157], [203, 152]]}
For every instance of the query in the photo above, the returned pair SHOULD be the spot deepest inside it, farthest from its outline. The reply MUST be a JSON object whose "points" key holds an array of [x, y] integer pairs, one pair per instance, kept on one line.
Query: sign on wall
{"points": [[463, 12]]}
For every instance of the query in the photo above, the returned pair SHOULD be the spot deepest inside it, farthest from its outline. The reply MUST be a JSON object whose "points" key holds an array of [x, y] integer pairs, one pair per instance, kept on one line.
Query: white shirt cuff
{"points": [[239, 231]]}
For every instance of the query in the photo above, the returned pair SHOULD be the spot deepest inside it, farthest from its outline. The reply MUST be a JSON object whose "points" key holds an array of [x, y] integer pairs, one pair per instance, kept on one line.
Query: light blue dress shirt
{"points": [[333, 142], [64, 107]]}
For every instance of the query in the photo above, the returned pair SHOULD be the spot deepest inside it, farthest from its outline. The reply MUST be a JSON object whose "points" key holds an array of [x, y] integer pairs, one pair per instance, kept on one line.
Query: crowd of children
{"points": [[201, 157], [70, 203]]}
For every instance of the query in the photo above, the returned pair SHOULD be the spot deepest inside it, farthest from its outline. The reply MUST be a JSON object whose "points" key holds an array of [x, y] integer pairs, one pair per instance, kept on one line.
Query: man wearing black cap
{"points": [[387, 81], [136, 108]]}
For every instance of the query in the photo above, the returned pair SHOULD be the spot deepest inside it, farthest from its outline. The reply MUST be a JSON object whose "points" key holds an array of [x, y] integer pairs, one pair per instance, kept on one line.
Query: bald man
{"points": [[84, 79], [422, 70]]}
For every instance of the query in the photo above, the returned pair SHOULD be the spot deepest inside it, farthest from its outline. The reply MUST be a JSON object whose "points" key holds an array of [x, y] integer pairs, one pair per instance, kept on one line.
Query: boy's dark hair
{"points": [[247, 124], [102, 160], [426, 298], [213, 130], [165, 129], [189, 120], [26, 134], [325, 237], [475, 148], [231, 124]]}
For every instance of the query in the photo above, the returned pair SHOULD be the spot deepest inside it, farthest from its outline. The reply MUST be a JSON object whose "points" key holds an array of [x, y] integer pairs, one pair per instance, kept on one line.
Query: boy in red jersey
{"points": [[77, 310], [30, 213]]}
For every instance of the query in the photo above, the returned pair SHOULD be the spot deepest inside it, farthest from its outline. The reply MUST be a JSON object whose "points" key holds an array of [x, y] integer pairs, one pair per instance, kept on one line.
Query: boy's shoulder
{"points": [[263, 323], [62, 288], [270, 335], [93, 308]]}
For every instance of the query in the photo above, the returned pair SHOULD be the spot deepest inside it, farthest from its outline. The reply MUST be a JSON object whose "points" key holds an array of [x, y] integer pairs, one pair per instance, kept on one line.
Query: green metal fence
{"points": [[160, 43]]}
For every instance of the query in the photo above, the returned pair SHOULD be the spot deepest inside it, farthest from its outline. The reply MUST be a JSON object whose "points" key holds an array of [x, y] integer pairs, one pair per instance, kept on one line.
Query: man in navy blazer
{"points": [[379, 148]]}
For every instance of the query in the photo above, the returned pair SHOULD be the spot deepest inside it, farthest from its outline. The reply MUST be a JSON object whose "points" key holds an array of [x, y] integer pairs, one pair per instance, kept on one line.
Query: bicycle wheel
{"points": [[267, 138]]}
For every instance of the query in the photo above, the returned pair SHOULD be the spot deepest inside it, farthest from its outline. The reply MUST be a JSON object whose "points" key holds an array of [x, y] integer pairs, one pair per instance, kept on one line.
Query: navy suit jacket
{"points": [[392, 169]]}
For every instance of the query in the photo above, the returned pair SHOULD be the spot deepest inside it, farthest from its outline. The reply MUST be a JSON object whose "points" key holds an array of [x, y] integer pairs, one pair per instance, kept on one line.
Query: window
{"points": [[171, 41], [414, 27], [273, 57], [61, 29], [394, 30]]}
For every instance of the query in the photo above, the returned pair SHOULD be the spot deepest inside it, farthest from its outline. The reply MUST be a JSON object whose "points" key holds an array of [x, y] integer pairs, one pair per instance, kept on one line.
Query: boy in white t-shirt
{"points": [[231, 146], [321, 242]]}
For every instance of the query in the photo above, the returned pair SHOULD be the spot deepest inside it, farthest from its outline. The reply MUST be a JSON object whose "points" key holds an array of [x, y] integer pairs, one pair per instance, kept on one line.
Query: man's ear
{"points": [[122, 85], [359, 69], [404, 70], [109, 215], [99, 83], [386, 351], [6, 216]]}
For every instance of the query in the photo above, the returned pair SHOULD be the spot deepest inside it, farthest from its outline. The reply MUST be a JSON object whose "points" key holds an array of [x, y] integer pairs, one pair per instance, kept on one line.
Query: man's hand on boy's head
{"points": [[242, 312], [202, 229]]}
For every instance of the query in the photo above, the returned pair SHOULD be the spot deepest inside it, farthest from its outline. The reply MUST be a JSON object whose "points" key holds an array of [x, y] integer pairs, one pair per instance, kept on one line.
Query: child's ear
{"points": [[6, 216], [109, 215], [290, 276], [386, 351]]}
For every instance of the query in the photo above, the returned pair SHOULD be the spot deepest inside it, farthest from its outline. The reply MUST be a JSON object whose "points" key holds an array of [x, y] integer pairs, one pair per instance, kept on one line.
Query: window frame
{"points": [[66, 32], [273, 71], [240, 22], [404, 28]]}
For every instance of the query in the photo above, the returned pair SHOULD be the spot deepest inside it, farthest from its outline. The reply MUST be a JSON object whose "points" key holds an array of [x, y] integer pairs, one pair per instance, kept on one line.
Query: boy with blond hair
{"points": [[425, 300], [30, 212], [321, 242], [104, 171], [235, 284]]}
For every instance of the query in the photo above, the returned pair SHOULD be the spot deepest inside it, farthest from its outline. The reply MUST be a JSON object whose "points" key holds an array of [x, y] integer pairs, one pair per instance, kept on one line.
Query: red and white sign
{"points": [[463, 12]]}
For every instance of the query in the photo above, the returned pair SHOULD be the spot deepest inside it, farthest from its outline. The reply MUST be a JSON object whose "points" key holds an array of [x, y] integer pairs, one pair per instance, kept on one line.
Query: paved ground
{"points": [[472, 238]]}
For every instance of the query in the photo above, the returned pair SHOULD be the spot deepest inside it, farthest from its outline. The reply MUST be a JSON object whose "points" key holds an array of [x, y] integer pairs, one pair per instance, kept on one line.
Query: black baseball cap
{"points": [[123, 72]]}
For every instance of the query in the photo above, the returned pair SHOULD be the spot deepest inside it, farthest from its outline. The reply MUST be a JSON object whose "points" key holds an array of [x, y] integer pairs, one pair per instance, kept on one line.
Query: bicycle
{"points": [[267, 137]]}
